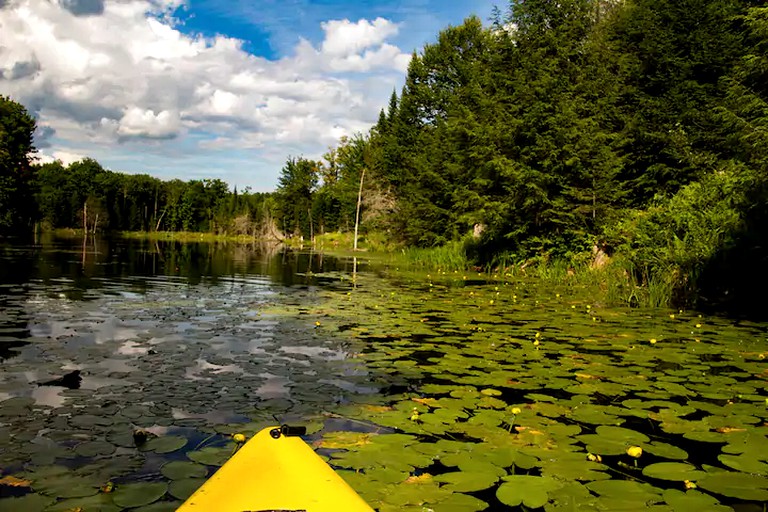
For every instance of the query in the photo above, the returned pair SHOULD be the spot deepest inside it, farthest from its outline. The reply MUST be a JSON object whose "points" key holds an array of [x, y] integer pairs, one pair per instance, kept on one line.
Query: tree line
{"points": [[636, 126], [639, 127], [86, 196]]}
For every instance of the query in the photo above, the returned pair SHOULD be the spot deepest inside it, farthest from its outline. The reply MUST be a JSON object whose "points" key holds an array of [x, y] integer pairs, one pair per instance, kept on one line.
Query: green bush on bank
{"points": [[665, 247]]}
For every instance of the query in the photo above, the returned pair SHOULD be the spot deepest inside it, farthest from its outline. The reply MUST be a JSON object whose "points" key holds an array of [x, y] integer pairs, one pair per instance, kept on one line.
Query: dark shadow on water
{"points": [[735, 280]]}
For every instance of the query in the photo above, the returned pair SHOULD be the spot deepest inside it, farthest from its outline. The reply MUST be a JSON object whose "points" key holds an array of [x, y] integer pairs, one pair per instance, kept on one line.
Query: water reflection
{"points": [[54, 269], [66, 267]]}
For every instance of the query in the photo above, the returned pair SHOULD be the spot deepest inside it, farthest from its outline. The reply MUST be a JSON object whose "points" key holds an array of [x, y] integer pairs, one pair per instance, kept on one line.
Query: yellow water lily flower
{"points": [[238, 438], [653, 341], [516, 411], [634, 452], [690, 485]]}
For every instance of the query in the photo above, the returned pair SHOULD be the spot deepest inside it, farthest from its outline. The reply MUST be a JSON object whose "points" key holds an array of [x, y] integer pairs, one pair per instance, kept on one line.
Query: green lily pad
{"points": [[185, 487], [674, 471], [28, 503], [598, 445], [467, 481], [139, 494], [666, 451], [178, 469], [531, 491], [94, 448], [66, 486], [419, 494], [159, 506], [457, 502], [211, 456], [97, 503], [89, 421], [620, 434], [624, 489], [736, 485], [165, 444], [749, 442], [693, 500], [580, 470], [747, 463]]}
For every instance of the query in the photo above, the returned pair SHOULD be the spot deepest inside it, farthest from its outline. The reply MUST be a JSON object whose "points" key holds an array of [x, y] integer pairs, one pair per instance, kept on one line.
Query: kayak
{"points": [[275, 471]]}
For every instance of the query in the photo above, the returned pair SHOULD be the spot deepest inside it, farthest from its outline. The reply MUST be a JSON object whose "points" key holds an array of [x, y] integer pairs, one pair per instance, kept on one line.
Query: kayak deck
{"points": [[272, 472]]}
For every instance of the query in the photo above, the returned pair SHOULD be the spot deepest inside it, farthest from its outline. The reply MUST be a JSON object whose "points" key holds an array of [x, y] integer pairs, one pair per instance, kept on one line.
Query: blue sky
{"points": [[272, 27], [224, 89]]}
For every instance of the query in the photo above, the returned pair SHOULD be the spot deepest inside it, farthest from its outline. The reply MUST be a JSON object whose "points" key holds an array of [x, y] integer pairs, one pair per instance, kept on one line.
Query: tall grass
{"points": [[618, 283], [451, 256]]}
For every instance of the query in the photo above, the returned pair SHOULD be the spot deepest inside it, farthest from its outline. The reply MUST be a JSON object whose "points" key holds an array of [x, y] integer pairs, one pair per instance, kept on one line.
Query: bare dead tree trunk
{"points": [[157, 226], [311, 226], [359, 202]]}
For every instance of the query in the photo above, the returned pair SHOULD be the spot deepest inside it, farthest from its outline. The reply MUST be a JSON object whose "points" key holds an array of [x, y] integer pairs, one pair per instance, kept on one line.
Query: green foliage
{"points": [[86, 195], [637, 125], [451, 256], [668, 244], [16, 129], [298, 180]]}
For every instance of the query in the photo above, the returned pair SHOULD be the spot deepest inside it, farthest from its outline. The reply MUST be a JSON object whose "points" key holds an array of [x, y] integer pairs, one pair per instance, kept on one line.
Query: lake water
{"points": [[427, 391]]}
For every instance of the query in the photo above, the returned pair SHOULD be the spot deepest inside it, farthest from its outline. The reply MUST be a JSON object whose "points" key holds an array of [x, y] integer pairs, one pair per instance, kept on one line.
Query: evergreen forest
{"points": [[557, 129]]}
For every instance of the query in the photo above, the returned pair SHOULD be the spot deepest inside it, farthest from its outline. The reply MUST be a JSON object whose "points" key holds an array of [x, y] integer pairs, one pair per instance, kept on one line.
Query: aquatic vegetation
{"points": [[582, 411], [417, 388]]}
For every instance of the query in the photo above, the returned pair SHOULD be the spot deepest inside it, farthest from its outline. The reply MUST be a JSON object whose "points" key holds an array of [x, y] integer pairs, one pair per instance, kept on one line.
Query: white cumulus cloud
{"points": [[343, 37], [137, 122], [120, 73]]}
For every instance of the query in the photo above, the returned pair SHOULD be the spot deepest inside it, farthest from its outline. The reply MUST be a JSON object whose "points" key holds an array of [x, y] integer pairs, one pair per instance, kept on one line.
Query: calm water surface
{"points": [[499, 391], [167, 338]]}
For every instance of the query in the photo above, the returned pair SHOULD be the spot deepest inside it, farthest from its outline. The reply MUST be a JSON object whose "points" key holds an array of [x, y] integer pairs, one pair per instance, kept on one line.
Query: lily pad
{"points": [[457, 502], [185, 487], [94, 448], [620, 434], [674, 471], [97, 503], [159, 506], [693, 500], [211, 456], [624, 489], [178, 469], [747, 463], [139, 494], [28, 503], [736, 485], [165, 444], [666, 451], [66, 486], [467, 481], [531, 491]]}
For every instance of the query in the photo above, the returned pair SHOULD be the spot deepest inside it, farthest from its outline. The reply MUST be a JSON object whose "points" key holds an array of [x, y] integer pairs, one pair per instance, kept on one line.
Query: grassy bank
{"points": [[617, 283], [187, 236]]}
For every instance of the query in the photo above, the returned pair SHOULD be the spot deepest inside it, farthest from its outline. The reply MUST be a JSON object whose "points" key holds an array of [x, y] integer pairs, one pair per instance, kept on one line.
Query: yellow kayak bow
{"points": [[276, 471]]}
